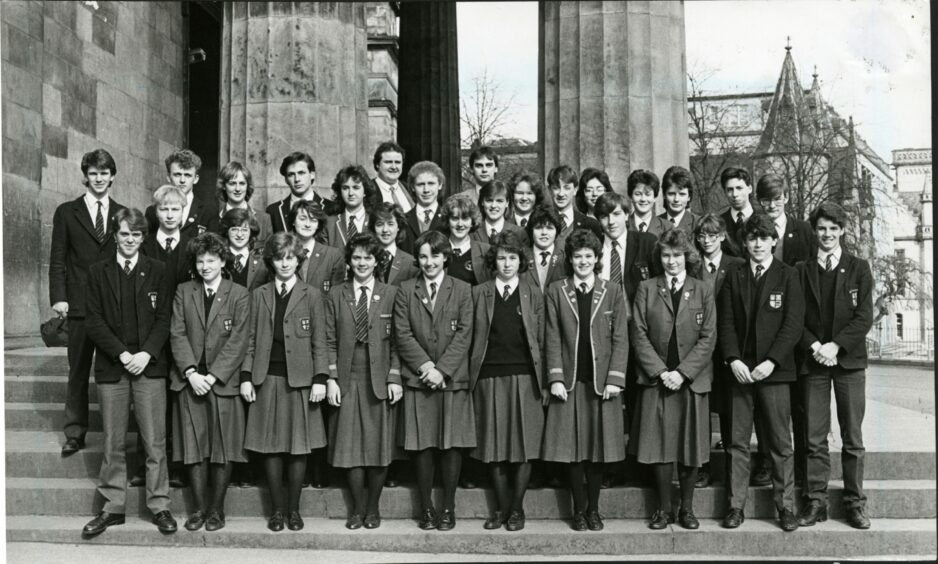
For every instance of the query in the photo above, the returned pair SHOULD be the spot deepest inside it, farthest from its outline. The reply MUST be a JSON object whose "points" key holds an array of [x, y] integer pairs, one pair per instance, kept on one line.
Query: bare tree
{"points": [[485, 110], [899, 279]]}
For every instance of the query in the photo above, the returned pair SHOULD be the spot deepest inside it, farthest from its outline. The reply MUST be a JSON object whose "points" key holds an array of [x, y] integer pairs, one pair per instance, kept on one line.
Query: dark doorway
{"points": [[203, 48]]}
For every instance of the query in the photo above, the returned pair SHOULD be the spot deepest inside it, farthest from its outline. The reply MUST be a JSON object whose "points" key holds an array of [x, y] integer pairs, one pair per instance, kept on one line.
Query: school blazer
{"points": [[153, 287], [442, 335], [279, 212], [403, 267], [853, 310], [264, 227], [74, 249], [203, 216], [323, 268], [728, 263], [656, 226], [688, 221], [481, 234], [412, 228], [609, 334], [532, 314], [639, 263], [304, 335], [258, 275], [336, 231], [800, 242], [223, 337], [385, 365], [179, 266], [580, 221], [556, 268], [696, 331], [779, 318], [477, 251]]}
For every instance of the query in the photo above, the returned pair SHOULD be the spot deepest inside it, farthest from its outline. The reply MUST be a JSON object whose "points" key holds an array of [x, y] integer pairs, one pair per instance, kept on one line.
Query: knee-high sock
{"points": [[594, 481], [198, 483], [221, 476], [687, 476], [296, 469], [576, 474], [450, 465], [498, 473], [376, 477], [356, 486], [663, 474], [522, 477], [423, 464], [273, 470]]}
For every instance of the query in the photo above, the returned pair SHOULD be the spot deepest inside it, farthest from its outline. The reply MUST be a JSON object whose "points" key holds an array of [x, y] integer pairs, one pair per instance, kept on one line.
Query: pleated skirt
{"points": [[584, 428], [209, 426], [282, 420], [438, 419], [671, 426], [509, 419], [362, 429]]}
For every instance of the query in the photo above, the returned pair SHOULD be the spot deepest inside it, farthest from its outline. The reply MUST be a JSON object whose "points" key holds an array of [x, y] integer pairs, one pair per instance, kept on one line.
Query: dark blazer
{"points": [[203, 216], [639, 262], [688, 221], [153, 287], [728, 263], [412, 228], [335, 232], [609, 334], [580, 221], [481, 234], [442, 335], [532, 315], [779, 318], [177, 264], [385, 365], [656, 226], [853, 310], [403, 267], [800, 242], [304, 335], [279, 212], [556, 269], [324, 268], [477, 251], [257, 270], [696, 331], [223, 337], [265, 229], [74, 249]]}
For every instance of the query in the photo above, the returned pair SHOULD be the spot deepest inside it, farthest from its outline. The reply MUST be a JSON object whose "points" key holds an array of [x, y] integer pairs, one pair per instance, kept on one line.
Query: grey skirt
{"points": [[282, 420]]}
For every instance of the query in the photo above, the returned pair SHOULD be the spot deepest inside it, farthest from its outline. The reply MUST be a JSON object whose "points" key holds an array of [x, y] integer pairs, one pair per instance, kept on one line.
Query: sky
{"points": [[873, 57]]}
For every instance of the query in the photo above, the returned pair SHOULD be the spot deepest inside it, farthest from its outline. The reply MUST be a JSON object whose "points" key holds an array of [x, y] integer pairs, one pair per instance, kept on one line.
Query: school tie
{"points": [[492, 234], [432, 294], [426, 217], [563, 223], [506, 293], [361, 317], [615, 265], [711, 267], [671, 219], [642, 226], [352, 228], [582, 287], [829, 263], [524, 222], [739, 221], [283, 289], [394, 196], [99, 225], [238, 265], [384, 265], [168, 247], [759, 269], [303, 254], [127, 267], [544, 255], [674, 287], [209, 294]]}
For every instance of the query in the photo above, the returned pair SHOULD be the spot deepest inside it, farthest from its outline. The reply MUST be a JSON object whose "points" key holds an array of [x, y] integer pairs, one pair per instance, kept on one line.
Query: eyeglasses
{"points": [[708, 236], [239, 230], [777, 201]]}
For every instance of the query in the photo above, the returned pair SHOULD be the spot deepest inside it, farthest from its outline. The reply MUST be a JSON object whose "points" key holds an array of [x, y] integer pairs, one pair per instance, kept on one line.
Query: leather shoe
{"points": [[354, 522], [447, 520], [594, 520], [814, 512], [391, 482], [495, 521], [760, 477], [660, 519], [856, 518], [138, 480], [294, 521], [515, 521], [703, 479], [787, 520], [372, 520], [72, 446], [687, 519], [164, 522], [176, 480], [579, 521], [100, 523], [275, 523], [467, 483], [215, 520], [195, 521], [733, 519], [428, 519]]}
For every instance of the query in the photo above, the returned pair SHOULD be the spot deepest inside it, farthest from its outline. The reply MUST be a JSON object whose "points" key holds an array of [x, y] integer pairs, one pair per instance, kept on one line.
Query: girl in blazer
{"points": [[587, 348], [527, 191], [593, 184], [394, 265], [208, 335], [673, 335], [355, 195], [364, 379], [433, 320], [493, 203], [234, 189], [247, 266], [285, 368], [321, 266], [506, 370], [545, 258], [461, 218]]}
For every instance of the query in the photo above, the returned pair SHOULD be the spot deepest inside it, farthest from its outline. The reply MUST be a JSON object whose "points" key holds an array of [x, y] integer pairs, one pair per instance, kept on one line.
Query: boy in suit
{"points": [[427, 181], [198, 214], [129, 308], [355, 196], [678, 186], [299, 172], [761, 317], [389, 162], [483, 164], [80, 237], [562, 183], [493, 203], [737, 186], [642, 187], [838, 291]]}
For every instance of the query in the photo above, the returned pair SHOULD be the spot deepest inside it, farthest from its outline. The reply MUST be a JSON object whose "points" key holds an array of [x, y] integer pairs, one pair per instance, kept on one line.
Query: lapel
{"points": [[412, 220], [478, 263], [742, 277], [489, 296], [220, 296], [270, 301], [718, 280], [811, 269], [376, 296], [251, 264], [340, 223], [111, 274], [197, 301], [349, 297], [420, 288], [313, 263], [771, 278], [443, 294], [81, 215], [600, 287], [284, 210], [788, 237], [631, 251], [142, 276], [296, 295], [526, 313], [569, 290], [841, 279], [665, 294]]}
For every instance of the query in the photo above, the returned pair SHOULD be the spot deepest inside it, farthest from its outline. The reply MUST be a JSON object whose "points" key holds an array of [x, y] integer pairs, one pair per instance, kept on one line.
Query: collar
{"points": [[228, 206], [438, 279], [537, 252], [499, 225], [836, 253], [621, 239], [677, 218], [568, 216], [162, 236], [213, 286], [680, 279], [391, 249], [385, 186], [357, 287], [715, 259], [766, 264], [747, 212], [512, 285], [290, 284], [358, 216], [646, 219], [92, 203], [308, 196], [780, 224], [421, 210], [462, 247], [519, 217], [133, 261], [310, 246], [245, 252], [590, 281]]}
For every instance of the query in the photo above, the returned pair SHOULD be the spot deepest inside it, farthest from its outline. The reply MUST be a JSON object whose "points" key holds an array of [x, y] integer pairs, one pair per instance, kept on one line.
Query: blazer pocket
{"points": [[303, 326], [226, 324]]}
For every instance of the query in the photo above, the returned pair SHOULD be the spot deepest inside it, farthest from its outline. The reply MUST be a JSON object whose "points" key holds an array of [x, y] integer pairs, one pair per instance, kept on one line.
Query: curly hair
{"points": [[236, 218], [587, 175], [385, 211], [541, 216], [458, 206], [507, 242], [185, 159], [357, 173], [314, 211], [279, 245], [583, 239], [207, 243], [678, 239]]}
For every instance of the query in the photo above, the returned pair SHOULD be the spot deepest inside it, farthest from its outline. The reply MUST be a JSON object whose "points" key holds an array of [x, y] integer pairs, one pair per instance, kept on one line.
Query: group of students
{"points": [[512, 322]]}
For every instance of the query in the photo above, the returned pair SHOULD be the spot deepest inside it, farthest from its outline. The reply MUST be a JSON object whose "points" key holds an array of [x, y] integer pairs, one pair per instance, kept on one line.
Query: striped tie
{"points": [[829, 263], [361, 317], [99, 225], [127, 268], [615, 265], [352, 228]]}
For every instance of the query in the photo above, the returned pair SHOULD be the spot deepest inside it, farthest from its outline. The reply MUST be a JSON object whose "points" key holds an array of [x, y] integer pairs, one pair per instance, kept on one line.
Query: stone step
{"points": [[32, 416], [887, 499], [755, 539], [36, 362], [41, 389]]}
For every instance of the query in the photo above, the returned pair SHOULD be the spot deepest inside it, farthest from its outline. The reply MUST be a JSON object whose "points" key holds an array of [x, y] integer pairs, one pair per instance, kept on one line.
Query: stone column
{"points": [[428, 116], [612, 86], [294, 78]]}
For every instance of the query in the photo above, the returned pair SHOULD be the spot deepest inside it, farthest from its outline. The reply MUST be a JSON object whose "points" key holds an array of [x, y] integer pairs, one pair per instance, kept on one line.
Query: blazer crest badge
{"points": [[854, 294], [153, 296], [775, 300]]}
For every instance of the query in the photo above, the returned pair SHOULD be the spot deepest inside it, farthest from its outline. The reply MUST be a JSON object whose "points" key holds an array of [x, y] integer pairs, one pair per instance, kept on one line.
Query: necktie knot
{"points": [[209, 293], [544, 255], [352, 227], [759, 269], [238, 265], [283, 289], [671, 219], [524, 222], [169, 244], [583, 287], [493, 233], [739, 218], [432, 292], [506, 293], [829, 263], [712, 267], [642, 226], [127, 266], [674, 286], [426, 216]]}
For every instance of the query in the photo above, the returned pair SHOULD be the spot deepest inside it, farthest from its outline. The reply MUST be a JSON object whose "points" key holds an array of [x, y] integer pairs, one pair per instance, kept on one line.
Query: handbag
{"points": [[55, 332]]}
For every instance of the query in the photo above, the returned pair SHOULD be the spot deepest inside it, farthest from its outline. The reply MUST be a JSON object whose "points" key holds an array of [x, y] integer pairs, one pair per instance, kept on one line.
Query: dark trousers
{"points": [[80, 354], [850, 395], [773, 401]]}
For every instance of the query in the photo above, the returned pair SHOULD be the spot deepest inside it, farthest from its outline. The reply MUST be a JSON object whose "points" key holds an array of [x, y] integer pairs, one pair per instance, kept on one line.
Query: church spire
{"points": [[788, 125]]}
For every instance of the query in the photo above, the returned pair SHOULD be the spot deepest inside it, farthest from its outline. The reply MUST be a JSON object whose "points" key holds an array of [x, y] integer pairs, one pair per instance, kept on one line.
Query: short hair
{"points": [[427, 167], [562, 174], [366, 241], [385, 211], [733, 172], [99, 159], [134, 218], [168, 192], [387, 147], [759, 225], [482, 151], [608, 202], [207, 242], [185, 159], [583, 239], [278, 245], [585, 176], [493, 188], [680, 239], [294, 158], [680, 177], [313, 210], [642, 176], [770, 186], [829, 211], [460, 205], [228, 172], [236, 218], [533, 180], [509, 242], [439, 244], [713, 224], [541, 216], [355, 172]]}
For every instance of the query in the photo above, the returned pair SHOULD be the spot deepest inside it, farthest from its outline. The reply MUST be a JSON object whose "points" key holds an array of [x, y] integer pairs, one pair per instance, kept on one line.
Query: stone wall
{"points": [[77, 76]]}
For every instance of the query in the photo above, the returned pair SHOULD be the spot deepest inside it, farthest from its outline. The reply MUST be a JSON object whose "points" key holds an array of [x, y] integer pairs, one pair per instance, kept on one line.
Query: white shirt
{"points": [[388, 193], [213, 286], [187, 207], [606, 272], [589, 281], [161, 238], [780, 223], [309, 246], [228, 207], [462, 247], [822, 257], [243, 253], [765, 265], [421, 212], [438, 280], [677, 218], [715, 260], [498, 226], [567, 217], [369, 290], [133, 261], [92, 204], [358, 218], [747, 212], [391, 249], [680, 279], [512, 285], [307, 197], [542, 270], [278, 284], [637, 221], [519, 219]]}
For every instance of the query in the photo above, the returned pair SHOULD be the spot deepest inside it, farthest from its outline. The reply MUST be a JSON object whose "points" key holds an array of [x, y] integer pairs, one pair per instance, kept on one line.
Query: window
{"points": [[899, 325]]}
